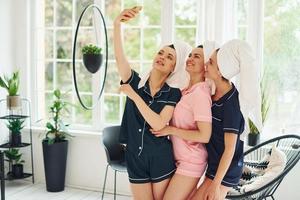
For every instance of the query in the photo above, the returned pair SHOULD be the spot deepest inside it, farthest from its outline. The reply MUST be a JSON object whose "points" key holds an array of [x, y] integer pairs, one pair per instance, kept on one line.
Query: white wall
{"points": [[22, 42], [6, 45], [14, 34], [289, 188], [6, 38], [14, 39]]}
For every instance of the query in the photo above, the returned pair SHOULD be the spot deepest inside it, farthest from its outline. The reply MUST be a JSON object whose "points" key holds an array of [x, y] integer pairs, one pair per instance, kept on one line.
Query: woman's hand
{"points": [[167, 130], [127, 14], [127, 90], [212, 192]]}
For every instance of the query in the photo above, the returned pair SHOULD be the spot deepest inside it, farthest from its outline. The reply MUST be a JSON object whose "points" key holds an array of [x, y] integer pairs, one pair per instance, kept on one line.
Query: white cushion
{"points": [[261, 176], [276, 165]]}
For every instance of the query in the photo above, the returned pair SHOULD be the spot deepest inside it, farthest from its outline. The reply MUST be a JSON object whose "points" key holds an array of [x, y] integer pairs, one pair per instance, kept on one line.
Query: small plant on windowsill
{"points": [[15, 126], [14, 157], [11, 84], [92, 57], [55, 145]]}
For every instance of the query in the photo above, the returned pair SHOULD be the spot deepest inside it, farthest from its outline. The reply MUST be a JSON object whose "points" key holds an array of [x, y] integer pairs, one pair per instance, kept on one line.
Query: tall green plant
{"points": [[11, 84], [56, 129]]}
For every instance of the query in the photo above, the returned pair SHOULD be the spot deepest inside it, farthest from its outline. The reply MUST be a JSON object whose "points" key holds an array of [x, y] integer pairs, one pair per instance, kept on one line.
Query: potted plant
{"points": [[55, 146], [92, 57], [15, 126], [14, 157], [12, 86], [254, 135]]}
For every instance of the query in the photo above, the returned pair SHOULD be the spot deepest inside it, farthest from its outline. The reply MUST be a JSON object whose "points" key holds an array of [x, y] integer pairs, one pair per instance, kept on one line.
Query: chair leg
{"points": [[104, 182], [115, 185]]}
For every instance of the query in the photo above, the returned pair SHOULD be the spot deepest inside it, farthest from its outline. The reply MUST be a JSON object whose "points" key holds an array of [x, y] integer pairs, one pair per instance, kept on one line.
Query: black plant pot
{"points": [[92, 62], [55, 161], [15, 139], [253, 139], [17, 170]]}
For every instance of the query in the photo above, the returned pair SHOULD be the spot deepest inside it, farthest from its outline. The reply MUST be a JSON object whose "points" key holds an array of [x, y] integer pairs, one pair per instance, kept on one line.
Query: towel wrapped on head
{"points": [[179, 78]]}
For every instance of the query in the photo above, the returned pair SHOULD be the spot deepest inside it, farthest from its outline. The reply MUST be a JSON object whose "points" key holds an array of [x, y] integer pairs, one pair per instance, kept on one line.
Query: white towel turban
{"points": [[236, 57], [208, 48], [179, 77]]}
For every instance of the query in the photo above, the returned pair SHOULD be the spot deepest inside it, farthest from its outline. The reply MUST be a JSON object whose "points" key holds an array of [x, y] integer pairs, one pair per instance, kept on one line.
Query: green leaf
{"points": [[57, 93], [3, 84], [50, 126]]}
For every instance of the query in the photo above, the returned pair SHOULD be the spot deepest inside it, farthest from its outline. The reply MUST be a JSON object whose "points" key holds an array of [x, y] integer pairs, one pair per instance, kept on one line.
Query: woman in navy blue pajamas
{"points": [[225, 149], [150, 105]]}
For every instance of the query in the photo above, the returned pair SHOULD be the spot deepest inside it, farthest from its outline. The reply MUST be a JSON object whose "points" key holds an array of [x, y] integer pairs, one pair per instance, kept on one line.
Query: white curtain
{"points": [[220, 21], [255, 28], [216, 20], [255, 39], [167, 21]]}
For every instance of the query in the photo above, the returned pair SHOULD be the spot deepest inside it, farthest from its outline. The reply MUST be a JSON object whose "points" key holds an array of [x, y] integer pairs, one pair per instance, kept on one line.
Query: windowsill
{"points": [[38, 129]]}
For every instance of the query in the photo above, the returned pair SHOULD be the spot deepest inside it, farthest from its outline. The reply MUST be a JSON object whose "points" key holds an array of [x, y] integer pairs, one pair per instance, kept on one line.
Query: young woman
{"points": [[225, 148], [190, 128], [150, 104]]}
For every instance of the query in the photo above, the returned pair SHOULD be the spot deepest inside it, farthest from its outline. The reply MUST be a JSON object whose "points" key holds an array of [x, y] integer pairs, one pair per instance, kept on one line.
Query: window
{"points": [[242, 24], [186, 21], [281, 64], [142, 39], [60, 19]]}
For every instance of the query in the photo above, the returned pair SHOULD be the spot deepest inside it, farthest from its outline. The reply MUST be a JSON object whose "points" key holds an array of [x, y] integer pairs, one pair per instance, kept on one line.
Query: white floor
{"points": [[23, 190]]}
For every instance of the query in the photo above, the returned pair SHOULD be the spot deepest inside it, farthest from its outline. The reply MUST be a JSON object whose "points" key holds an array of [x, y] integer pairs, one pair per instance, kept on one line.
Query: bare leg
{"points": [[180, 187], [160, 188], [142, 191]]}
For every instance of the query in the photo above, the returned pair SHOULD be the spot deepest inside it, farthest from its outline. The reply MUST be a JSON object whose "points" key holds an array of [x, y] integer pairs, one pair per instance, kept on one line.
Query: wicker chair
{"points": [[290, 145]]}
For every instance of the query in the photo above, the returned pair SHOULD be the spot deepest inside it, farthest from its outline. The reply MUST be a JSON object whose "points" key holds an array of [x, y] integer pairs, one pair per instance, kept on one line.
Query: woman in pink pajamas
{"points": [[190, 127]]}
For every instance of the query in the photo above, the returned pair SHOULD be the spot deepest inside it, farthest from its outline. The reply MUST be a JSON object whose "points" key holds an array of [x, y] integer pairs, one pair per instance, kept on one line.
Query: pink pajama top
{"points": [[195, 105]]}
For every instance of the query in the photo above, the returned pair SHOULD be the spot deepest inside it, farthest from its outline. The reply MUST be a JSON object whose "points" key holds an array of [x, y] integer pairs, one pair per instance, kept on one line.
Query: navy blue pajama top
{"points": [[135, 131]]}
